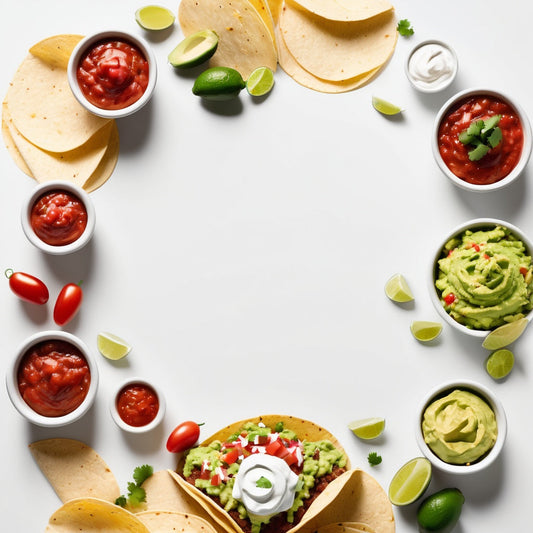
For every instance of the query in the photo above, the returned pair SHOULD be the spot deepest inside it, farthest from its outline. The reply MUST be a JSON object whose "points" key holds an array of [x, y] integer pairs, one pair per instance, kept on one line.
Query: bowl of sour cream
{"points": [[431, 66]]}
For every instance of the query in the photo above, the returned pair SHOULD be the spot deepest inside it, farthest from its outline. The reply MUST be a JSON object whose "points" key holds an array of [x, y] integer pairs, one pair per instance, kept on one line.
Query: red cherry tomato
{"points": [[183, 437], [67, 304], [27, 287]]}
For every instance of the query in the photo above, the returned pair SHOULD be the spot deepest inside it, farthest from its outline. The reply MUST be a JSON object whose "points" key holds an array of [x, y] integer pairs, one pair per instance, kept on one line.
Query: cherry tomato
{"points": [[67, 304], [27, 287], [183, 437]]}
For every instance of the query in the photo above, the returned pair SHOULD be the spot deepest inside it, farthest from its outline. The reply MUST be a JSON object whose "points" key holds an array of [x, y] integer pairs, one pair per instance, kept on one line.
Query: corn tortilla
{"points": [[275, 9], [13, 150], [345, 10], [337, 51], [167, 521], [261, 6], [346, 527], [56, 50]]}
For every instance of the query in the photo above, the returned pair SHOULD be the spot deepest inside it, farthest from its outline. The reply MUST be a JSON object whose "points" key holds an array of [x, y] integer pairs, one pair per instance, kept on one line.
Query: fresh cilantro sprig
{"points": [[404, 28], [482, 135], [136, 494], [263, 483], [374, 459]]}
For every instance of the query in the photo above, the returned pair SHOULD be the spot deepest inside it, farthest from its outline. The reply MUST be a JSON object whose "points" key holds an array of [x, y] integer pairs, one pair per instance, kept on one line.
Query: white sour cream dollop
{"points": [[432, 66], [263, 502]]}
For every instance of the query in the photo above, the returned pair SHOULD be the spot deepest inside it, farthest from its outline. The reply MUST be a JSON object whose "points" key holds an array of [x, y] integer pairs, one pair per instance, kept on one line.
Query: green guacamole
{"points": [[485, 278]]}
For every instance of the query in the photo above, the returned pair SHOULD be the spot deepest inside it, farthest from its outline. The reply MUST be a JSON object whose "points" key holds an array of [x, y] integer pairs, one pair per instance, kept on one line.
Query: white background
{"points": [[243, 250]]}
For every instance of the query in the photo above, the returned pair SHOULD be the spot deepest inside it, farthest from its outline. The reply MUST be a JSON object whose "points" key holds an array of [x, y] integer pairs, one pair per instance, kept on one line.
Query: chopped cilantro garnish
{"points": [[142, 473], [404, 28], [482, 135], [121, 500], [374, 459], [136, 494], [279, 427], [263, 483]]}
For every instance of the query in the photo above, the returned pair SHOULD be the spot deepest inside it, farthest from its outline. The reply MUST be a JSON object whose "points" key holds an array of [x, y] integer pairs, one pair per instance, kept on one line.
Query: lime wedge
{"points": [[194, 49], [505, 335], [111, 346], [410, 481], [260, 81], [398, 290], [367, 428], [154, 17], [384, 107], [425, 331], [218, 83], [499, 363]]}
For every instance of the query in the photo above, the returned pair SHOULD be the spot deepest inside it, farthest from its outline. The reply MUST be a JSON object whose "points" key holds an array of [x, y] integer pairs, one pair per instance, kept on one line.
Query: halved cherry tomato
{"points": [[67, 304], [183, 437], [27, 287]]}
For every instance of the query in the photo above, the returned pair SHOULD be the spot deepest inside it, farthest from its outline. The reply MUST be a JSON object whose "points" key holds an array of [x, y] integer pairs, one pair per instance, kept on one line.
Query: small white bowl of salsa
{"points": [[112, 73], [462, 161]]}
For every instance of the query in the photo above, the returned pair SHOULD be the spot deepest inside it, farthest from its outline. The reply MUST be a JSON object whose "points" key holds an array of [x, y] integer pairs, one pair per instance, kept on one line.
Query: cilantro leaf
{"points": [[121, 500], [374, 459], [404, 28], [136, 494], [263, 483], [142, 473], [482, 135]]}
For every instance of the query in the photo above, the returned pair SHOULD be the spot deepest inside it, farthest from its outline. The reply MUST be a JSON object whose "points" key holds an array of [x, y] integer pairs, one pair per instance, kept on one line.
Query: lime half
{"points": [[499, 363], [440, 511], [260, 81], [398, 290], [367, 428], [505, 335], [154, 17], [111, 346], [410, 481], [384, 107], [194, 49], [218, 83], [425, 331]]}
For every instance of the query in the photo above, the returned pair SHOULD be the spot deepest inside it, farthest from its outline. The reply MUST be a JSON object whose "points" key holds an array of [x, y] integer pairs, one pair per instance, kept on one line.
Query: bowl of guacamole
{"points": [[461, 427], [482, 276]]}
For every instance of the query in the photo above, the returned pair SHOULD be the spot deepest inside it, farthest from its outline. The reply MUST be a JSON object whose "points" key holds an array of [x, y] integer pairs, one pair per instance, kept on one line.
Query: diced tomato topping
{"points": [[523, 271], [449, 298], [261, 440], [231, 456], [273, 447], [486, 256], [215, 480], [450, 252], [291, 458]]}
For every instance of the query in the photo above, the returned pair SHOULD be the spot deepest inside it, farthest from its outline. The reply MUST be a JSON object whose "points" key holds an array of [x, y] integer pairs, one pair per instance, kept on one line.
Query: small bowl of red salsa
{"points": [[58, 217], [507, 152], [112, 73], [53, 379], [137, 406]]}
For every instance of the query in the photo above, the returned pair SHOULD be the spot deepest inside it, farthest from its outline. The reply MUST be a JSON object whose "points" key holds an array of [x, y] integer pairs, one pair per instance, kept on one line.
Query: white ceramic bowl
{"points": [[87, 43], [137, 429], [526, 149], [12, 380], [477, 223], [439, 85], [501, 422], [48, 187]]}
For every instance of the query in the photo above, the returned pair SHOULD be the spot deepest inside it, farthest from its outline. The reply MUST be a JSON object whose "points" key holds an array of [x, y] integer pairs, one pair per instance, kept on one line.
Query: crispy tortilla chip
{"points": [[345, 10], [55, 51], [44, 109], [245, 41], [91, 515], [74, 470], [12, 147], [337, 51], [167, 521]]}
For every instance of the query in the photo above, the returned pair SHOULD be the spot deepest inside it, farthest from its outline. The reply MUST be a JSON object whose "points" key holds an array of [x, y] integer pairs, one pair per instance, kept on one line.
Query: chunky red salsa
{"points": [[137, 404], [53, 378], [500, 160], [58, 218], [113, 74]]}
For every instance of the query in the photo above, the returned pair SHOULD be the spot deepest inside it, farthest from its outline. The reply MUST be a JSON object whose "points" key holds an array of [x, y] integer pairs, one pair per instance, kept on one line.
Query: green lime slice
{"points": [[154, 18], [440, 511], [499, 363], [194, 49], [410, 481], [260, 81], [111, 346], [425, 331], [505, 335], [384, 107], [367, 428], [218, 83], [398, 290]]}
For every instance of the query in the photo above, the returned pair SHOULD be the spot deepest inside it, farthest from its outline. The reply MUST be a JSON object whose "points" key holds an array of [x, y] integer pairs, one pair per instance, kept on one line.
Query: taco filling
{"points": [[265, 478]]}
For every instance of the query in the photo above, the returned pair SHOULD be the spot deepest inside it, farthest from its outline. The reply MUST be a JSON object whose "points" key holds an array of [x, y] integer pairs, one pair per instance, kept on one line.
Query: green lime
{"points": [[410, 481], [505, 335], [194, 49], [260, 81], [425, 331], [398, 290], [111, 346], [218, 83], [154, 17], [384, 107], [499, 363], [367, 428], [440, 511]]}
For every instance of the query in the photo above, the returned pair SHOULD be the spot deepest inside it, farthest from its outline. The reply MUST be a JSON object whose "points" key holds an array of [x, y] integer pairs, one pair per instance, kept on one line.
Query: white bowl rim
{"points": [[436, 88], [137, 429], [501, 420], [470, 224], [526, 148], [41, 189], [12, 380], [103, 35]]}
